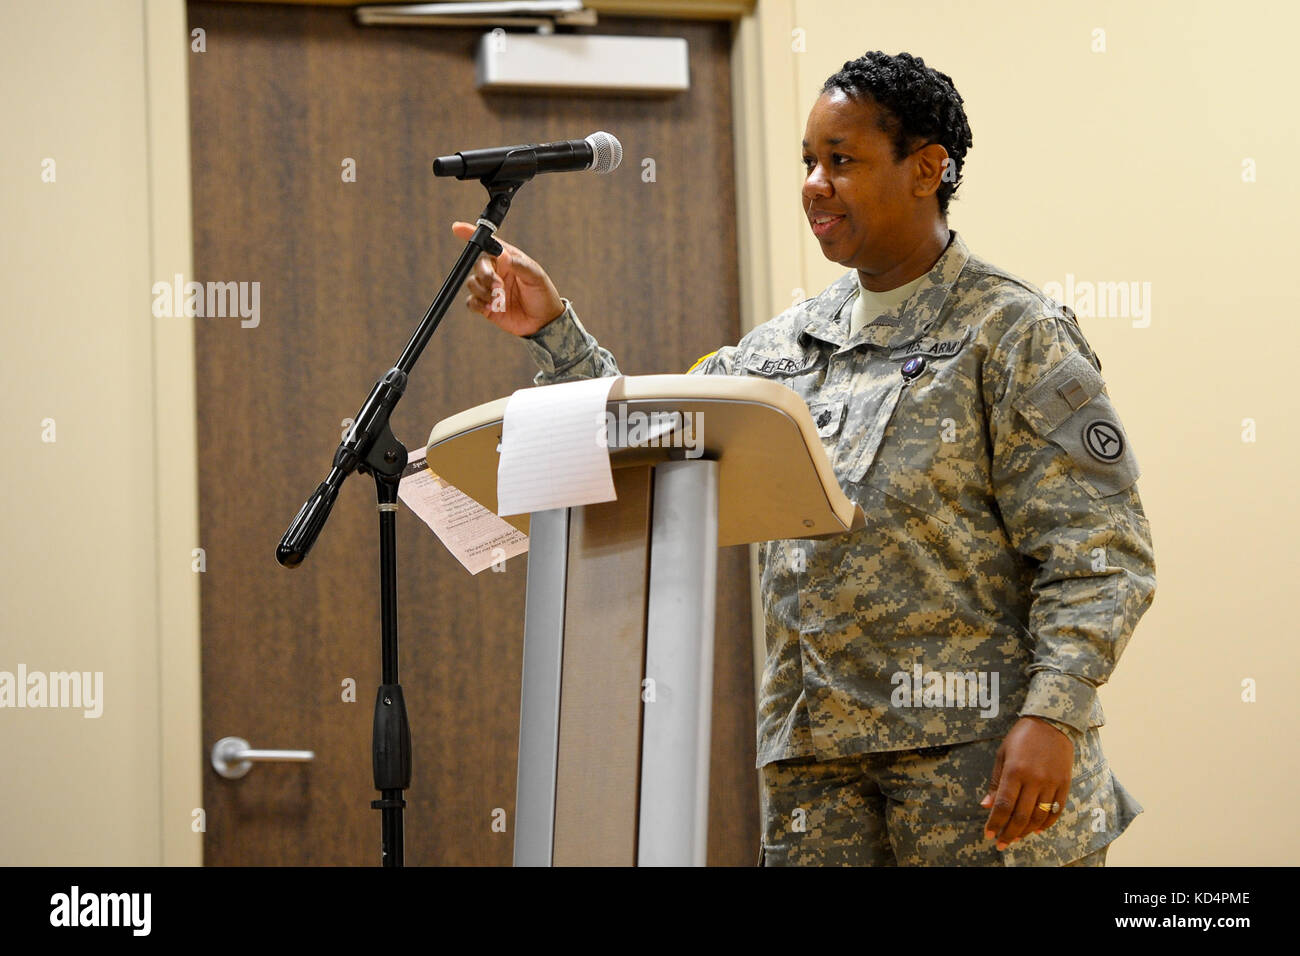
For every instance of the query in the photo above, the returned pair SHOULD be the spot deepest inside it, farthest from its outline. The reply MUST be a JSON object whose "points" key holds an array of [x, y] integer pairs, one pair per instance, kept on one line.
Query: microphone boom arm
{"points": [[369, 445]]}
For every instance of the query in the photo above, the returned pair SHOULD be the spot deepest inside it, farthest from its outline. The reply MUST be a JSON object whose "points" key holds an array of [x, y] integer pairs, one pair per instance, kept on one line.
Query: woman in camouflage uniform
{"points": [[930, 690]]}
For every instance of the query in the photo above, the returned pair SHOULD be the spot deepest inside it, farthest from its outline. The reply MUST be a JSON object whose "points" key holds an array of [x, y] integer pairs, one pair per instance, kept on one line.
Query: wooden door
{"points": [[282, 101]]}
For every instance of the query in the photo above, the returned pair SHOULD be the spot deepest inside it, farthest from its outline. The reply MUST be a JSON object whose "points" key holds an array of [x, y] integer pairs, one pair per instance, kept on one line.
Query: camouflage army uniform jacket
{"points": [[1006, 557]]}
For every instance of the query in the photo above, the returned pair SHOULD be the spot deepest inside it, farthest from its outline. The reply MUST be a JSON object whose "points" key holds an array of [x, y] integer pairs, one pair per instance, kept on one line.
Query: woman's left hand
{"points": [[1033, 766]]}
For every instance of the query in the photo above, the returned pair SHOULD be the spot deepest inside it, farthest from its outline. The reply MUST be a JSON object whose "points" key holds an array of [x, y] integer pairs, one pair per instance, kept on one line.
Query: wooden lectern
{"points": [[618, 627]]}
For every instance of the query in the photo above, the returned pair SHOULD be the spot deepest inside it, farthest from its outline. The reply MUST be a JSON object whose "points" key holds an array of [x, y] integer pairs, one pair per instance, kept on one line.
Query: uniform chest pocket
{"points": [[926, 436], [868, 413]]}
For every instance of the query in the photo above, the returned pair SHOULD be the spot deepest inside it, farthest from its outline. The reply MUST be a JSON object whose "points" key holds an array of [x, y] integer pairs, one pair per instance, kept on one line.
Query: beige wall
{"points": [[1126, 165], [98, 524]]}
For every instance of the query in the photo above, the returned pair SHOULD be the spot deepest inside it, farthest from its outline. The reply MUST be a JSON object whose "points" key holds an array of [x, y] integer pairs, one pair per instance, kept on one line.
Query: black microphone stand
{"points": [[370, 447]]}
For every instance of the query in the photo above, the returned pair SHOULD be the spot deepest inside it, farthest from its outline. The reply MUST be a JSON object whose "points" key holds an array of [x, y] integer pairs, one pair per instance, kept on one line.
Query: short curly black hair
{"points": [[920, 106]]}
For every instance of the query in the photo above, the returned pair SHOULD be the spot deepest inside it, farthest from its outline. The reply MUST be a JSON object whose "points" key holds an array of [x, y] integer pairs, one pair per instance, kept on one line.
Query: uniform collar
{"points": [[828, 313]]}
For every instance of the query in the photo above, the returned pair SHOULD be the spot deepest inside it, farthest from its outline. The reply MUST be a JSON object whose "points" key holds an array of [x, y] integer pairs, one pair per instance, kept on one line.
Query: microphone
{"points": [[599, 151]]}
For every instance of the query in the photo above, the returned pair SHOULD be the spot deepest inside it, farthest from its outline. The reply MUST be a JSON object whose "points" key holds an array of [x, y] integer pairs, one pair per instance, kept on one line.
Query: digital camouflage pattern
{"points": [[1005, 551], [921, 808]]}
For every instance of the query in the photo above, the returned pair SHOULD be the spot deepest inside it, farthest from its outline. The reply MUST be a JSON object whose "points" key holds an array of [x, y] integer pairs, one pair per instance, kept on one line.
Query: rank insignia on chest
{"points": [[826, 416]]}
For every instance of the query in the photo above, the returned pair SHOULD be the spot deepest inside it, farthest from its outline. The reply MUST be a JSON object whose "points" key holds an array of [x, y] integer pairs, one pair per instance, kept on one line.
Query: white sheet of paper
{"points": [[474, 535], [553, 448]]}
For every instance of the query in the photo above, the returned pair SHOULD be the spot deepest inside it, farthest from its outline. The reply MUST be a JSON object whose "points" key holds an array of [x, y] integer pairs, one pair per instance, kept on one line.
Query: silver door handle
{"points": [[232, 757]]}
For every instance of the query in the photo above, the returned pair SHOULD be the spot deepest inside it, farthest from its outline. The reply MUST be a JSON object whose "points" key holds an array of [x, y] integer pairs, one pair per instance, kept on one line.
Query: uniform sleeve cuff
{"points": [[1076, 736], [560, 343], [1060, 697]]}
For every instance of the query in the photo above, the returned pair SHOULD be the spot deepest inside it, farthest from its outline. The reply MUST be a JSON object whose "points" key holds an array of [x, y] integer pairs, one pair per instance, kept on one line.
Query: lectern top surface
{"points": [[774, 478]]}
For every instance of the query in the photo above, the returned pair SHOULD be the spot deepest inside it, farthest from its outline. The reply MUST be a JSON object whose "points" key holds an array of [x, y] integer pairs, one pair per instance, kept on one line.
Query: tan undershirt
{"points": [[868, 305]]}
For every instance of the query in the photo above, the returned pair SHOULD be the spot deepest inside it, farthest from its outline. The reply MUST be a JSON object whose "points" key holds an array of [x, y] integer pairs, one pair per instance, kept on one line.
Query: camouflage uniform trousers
{"points": [[922, 808]]}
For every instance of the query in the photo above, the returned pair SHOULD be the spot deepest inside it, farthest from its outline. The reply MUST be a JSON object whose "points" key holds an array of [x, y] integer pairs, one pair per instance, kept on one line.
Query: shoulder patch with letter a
{"points": [[1069, 407], [1103, 441]]}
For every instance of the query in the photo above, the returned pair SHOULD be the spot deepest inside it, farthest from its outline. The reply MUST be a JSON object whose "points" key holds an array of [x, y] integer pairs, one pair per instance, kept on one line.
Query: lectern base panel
{"points": [[598, 764], [617, 683]]}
